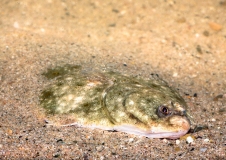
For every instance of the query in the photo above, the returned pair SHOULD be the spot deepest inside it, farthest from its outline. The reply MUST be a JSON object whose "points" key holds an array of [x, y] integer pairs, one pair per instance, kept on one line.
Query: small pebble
{"points": [[206, 140], [197, 35], [55, 155], [206, 33], [189, 139], [222, 110], [131, 140], [175, 74], [99, 148], [199, 49], [215, 26], [177, 141], [213, 120], [218, 97], [203, 149], [177, 149], [195, 95], [165, 140], [9, 131], [42, 30], [181, 20], [16, 25], [60, 141]]}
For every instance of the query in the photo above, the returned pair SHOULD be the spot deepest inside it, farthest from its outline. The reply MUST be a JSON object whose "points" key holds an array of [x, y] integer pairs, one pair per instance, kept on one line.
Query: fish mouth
{"points": [[175, 127], [181, 121]]}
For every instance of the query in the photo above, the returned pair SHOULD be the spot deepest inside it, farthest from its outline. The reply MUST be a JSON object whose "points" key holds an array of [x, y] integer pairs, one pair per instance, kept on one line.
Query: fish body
{"points": [[112, 101]]}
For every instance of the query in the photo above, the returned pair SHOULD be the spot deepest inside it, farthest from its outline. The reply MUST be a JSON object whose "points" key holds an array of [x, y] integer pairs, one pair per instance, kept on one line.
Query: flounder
{"points": [[116, 102]]}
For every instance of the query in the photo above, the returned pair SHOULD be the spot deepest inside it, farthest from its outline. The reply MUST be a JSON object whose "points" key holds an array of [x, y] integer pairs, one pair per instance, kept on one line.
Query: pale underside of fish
{"points": [[116, 102]]}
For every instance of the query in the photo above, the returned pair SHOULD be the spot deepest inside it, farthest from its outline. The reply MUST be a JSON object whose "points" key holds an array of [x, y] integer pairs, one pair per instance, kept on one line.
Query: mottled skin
{"points": [[112, 101]]}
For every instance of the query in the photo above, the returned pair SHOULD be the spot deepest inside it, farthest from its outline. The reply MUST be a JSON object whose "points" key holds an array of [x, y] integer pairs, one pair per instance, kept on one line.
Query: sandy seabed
{"points": [[183, 42]]}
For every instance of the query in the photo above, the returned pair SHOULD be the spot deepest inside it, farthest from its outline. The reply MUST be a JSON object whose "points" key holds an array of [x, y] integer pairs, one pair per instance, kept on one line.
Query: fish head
{"points": [[173, 121], [159, 115]]}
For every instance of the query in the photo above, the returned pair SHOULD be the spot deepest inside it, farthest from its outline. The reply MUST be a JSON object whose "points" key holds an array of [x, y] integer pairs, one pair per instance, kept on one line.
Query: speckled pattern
{"points": [[114, 102], [181, 41]]}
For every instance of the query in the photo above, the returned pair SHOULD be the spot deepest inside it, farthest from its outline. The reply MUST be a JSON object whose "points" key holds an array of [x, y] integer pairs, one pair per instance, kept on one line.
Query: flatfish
{"points": [[116, 102]]}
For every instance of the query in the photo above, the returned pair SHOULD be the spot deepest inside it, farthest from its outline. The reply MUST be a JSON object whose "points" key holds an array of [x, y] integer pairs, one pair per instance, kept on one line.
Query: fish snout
{"points": [[180, 121]]}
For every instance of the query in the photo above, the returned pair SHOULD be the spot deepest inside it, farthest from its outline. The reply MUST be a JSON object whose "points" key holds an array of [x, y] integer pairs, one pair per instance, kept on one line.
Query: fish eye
{"points": [[163, 111]]}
